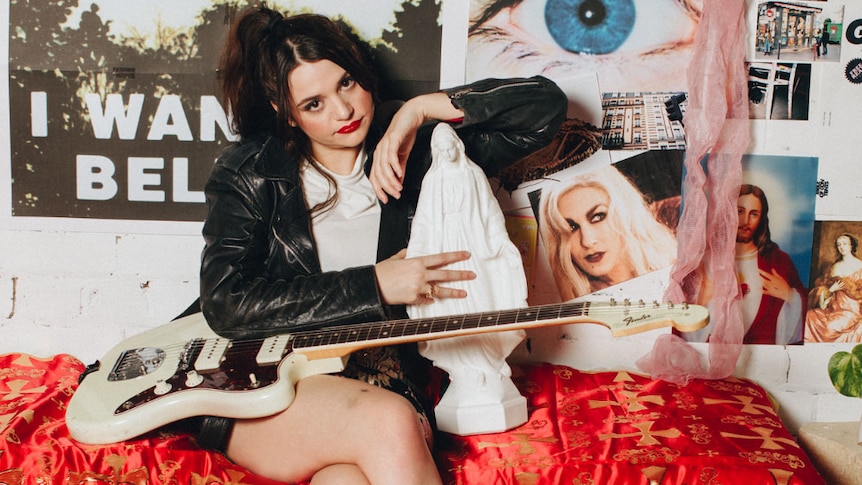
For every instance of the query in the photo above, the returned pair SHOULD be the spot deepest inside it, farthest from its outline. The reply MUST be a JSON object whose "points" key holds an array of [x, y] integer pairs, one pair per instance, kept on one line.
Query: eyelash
{"points": [[597, 217], [346, 82]]}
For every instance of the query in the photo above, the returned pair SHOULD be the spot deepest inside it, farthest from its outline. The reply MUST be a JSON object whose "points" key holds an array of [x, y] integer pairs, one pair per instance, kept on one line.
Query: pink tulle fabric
{"points": [[716, 124]]}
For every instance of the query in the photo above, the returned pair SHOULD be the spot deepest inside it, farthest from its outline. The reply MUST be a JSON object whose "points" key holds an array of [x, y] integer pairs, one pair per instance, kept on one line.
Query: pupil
{"points": [[592, 12]]}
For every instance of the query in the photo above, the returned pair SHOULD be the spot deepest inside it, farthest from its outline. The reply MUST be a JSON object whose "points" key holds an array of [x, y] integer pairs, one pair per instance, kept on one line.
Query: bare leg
{"points": [[332, 423]]}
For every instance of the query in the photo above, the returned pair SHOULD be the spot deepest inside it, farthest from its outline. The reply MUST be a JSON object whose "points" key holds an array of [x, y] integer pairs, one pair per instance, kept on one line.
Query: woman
{"points": [[296, 238], [835, 312], [599, 231]]}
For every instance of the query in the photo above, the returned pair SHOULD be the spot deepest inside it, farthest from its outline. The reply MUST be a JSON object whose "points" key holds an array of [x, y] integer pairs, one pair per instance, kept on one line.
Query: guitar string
{"points": [[411, 327]]}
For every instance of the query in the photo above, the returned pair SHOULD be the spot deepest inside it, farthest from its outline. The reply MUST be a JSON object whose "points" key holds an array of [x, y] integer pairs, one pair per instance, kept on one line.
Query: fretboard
{"points": [[410, 330]]}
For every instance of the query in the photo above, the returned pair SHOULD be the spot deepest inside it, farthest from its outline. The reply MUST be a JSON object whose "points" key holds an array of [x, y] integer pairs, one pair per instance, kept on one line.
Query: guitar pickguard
{"points": [[237, 371]]}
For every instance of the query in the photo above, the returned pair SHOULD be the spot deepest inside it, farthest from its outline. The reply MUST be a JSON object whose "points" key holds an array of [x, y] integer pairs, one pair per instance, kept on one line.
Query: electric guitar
{"points": [[183, 369]]}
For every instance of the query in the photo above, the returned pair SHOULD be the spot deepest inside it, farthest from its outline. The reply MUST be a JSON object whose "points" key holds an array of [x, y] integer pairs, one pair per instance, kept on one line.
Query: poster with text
{"points": [[113, 105]]}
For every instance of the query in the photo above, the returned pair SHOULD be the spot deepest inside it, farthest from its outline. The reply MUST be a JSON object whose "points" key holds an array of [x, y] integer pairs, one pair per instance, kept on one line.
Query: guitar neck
{"points": [[622, 318]]}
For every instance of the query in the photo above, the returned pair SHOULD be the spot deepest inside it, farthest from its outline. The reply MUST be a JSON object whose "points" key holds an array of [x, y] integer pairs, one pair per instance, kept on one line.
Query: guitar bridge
{"points": [[136, 363]]}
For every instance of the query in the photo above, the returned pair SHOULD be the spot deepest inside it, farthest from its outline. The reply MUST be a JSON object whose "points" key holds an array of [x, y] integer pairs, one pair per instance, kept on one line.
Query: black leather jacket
{"points": [[260, 273]]}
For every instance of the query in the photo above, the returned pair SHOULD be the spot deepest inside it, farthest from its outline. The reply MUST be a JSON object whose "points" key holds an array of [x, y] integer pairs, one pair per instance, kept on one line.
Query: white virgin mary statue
{"points": [[457, 211]]}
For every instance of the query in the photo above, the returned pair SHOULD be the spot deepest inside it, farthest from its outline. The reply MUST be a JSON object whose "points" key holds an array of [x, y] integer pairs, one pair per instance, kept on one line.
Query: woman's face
{"points": [[595, 247], [844, 246], [330, 107]]}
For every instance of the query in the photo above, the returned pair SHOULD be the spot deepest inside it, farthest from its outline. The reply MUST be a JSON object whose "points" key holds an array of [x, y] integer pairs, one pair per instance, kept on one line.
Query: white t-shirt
{"points": [[346, 233]]}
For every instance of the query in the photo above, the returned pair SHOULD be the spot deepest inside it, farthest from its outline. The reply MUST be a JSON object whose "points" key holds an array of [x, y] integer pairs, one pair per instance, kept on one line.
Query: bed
{"points": [[583, 428]]}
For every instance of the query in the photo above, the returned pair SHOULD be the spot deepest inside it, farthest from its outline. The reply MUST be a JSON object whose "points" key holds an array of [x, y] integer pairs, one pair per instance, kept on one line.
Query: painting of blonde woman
{"points": [[599, 230]]}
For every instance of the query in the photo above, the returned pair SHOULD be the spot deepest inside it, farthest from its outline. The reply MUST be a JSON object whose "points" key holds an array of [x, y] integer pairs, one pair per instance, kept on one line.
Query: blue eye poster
{"points": [[629, 45]]}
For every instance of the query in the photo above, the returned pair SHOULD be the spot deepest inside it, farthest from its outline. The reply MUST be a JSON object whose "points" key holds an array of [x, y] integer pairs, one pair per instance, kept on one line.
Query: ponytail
{"points": [[261, 50]]}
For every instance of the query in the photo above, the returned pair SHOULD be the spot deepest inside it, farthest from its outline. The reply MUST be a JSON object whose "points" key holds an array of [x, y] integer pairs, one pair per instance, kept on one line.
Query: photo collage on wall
{"points": [[801, 88], [625, 75]]}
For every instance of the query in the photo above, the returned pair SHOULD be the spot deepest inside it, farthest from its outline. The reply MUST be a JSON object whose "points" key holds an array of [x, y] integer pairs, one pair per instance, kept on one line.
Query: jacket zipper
{"points": [[461, 94]]}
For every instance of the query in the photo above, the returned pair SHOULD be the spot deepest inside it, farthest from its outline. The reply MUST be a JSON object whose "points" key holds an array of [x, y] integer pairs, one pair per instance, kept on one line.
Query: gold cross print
{"points": [[647, 436]]}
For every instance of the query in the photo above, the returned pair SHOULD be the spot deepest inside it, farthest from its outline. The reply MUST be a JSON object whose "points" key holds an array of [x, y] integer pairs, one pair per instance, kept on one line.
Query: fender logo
{"points": [[629, 320]]}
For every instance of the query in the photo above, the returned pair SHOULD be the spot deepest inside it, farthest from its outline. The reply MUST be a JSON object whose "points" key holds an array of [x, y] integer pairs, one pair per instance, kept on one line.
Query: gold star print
{"points": [[764, 434], [746, 402], [647, 436], [631, 399]]}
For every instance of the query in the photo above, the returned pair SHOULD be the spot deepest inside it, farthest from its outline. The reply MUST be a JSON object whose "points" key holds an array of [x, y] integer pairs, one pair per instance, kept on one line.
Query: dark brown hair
{"points": [[854, 243], [261, 50]]}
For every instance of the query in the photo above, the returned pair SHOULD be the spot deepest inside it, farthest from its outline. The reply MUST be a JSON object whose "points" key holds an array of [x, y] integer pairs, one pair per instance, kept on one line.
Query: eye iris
{"points": [[590, 26]]}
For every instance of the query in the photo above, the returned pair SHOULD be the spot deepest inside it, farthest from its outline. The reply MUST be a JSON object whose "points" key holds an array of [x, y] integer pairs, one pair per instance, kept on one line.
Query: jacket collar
{"points": [[273, 162]]}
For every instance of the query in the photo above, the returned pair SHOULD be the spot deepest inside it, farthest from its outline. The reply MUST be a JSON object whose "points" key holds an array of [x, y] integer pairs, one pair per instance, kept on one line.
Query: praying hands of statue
{"points": [[420, 280], [776, 286]]}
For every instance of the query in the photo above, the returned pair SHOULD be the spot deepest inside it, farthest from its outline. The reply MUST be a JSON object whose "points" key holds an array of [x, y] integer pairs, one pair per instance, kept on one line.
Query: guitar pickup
{"points": [[272, 350], [212, 354]]}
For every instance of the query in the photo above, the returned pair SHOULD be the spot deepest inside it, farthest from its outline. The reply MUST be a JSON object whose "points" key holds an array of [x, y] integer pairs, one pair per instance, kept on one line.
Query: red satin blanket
{"points": [[624, 428], [584, 428]]}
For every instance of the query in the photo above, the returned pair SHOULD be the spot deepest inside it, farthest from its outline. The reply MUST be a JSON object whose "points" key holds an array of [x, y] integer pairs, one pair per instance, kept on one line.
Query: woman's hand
{"points": [[416, 281], [837, 286], [390, 155]]}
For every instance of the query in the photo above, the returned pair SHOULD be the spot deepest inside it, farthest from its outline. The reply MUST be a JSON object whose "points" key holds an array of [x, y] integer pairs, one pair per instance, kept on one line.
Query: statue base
{"points": [[466, 412]]}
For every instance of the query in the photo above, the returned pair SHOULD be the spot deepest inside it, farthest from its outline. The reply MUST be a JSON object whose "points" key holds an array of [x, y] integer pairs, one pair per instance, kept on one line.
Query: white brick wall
{"points": [[81, 293]]}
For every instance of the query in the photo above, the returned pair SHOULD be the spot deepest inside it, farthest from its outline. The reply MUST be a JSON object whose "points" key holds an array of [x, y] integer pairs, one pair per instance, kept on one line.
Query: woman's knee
{"points": [[399, 417]]}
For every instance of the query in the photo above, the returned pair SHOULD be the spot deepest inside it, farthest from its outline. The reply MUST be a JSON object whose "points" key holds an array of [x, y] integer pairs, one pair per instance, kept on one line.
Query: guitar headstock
{"points": [[629, 318]]}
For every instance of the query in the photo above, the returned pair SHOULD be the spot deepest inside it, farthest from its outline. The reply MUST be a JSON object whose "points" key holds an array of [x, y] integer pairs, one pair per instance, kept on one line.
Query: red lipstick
{"points": [[350, 128]]}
